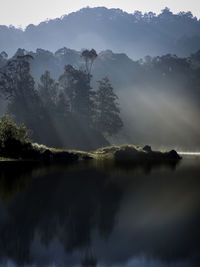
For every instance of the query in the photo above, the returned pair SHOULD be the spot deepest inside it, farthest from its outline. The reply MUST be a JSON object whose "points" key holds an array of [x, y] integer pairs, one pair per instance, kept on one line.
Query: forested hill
{"points": [[136, 34]]}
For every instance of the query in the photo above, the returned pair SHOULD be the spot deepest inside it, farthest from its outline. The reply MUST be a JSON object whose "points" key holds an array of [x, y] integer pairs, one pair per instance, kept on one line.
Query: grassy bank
{"points": [[123, 153], [15, 144]]}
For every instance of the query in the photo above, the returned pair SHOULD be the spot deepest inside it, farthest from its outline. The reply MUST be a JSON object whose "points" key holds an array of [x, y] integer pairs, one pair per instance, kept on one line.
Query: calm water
{"points": [[100, 215]]}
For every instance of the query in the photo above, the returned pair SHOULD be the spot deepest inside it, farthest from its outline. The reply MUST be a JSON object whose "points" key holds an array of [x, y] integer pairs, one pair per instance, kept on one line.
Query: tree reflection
{"points": [[89, 258], [63, 205], [78, 207]]}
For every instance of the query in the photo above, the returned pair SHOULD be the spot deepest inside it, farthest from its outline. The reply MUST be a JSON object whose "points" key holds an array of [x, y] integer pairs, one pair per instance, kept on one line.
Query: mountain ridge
{"points": [[101, 28]]}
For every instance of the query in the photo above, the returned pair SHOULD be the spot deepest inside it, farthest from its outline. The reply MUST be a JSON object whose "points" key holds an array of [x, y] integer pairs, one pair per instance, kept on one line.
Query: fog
{"points": [[163, 120], [158, 99]]}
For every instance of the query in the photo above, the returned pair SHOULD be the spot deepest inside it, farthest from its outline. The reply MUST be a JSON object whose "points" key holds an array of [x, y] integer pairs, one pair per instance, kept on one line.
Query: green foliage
{"points": [[12, 136], [9, 130], [60, 112], [17, 85]]}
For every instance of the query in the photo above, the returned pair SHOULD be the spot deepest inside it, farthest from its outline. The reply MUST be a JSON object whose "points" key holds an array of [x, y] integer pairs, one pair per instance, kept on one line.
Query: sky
{"points": [[24, 12]]}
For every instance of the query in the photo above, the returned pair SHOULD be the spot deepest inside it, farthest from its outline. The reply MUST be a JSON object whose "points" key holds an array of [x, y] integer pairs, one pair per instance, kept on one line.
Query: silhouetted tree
{"points": [[89, 58], [3, 58], [62, 105], [48, 91], [67, 85], [76, 86], [83, 97], [24, 102], [108, 120], [15, 77], [137, 15], [166, 13]]}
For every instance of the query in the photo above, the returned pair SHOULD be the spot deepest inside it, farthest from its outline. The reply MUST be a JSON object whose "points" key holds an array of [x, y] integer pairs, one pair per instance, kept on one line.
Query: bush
{"points": [[13, 137]]}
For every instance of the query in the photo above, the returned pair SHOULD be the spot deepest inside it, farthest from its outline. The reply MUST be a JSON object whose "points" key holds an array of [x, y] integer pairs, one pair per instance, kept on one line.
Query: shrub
{"points": [[13, 137]]}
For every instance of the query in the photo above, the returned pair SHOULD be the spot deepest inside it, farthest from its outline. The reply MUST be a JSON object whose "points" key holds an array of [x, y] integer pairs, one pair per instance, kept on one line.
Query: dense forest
{"points": [[115, 29], [66, 112], [158, 97]]}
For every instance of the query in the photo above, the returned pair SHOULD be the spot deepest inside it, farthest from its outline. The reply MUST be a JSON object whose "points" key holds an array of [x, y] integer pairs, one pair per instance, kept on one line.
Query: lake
{"points": [[98, 214]]}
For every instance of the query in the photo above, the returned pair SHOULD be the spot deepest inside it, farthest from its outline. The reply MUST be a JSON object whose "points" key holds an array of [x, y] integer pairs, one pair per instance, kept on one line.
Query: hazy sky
{"points": [[24, 12]]}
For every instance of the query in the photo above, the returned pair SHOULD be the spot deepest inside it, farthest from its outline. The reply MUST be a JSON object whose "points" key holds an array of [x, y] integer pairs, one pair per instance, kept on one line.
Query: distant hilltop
{"points": [[136, 34]]}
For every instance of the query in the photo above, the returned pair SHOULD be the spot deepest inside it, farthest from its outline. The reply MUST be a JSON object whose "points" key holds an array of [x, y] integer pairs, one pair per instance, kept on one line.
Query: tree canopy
{"points": [[59, 111], [108, 113]]}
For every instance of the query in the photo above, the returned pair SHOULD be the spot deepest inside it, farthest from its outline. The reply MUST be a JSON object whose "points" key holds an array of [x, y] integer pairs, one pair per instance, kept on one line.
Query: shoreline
{"points": [[119, 154]]}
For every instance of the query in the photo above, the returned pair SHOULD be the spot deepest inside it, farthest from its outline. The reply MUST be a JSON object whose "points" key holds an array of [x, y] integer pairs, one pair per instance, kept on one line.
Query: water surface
{"points": [[100, 215]]}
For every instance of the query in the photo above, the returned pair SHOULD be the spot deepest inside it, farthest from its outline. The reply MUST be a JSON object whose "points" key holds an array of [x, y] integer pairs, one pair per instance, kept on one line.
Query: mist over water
{"points": [[189, 153]]}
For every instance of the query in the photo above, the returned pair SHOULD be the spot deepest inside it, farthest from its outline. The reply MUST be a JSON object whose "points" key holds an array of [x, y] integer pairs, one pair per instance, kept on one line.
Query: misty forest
{"points": [[153, 99], [100, 140]]}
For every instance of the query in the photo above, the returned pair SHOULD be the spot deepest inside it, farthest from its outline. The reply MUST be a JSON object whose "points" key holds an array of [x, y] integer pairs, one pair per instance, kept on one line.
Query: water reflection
{"points": [[100, 215]]}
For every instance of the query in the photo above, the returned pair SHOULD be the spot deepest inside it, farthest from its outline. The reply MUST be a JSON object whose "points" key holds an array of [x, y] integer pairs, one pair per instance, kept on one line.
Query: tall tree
{"points": [[108, 119], [76, 85], [67, 85], [89, 58], [17, 84], [48, 91], [15, 78]]}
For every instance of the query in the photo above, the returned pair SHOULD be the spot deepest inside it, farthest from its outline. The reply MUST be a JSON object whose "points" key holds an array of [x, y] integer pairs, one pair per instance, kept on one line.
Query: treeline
{"points": [[66, 112], [136, 34], [166, 72], [159, 96]]}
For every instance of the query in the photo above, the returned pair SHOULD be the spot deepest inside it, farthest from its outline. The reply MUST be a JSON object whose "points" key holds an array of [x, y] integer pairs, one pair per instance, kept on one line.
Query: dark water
{"points": [[100, 215]]}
